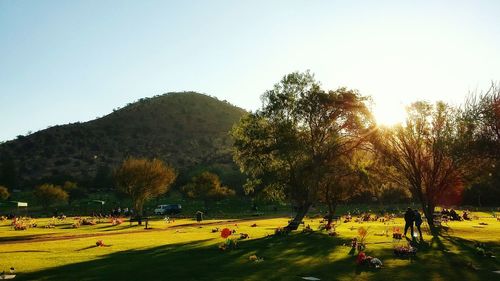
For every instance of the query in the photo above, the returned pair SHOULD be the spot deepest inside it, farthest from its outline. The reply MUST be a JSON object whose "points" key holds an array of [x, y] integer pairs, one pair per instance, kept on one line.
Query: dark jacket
{"points": [[418, 218], [409, 216]]}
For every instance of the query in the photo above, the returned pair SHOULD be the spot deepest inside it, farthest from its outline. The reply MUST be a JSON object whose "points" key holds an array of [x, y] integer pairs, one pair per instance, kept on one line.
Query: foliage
{"points": [[8, 171], [143, 179], [4, 193], [184, 128], [288, 148], [207, 187], [48, 194], [74, 191], [481, 115], [427, 153]]}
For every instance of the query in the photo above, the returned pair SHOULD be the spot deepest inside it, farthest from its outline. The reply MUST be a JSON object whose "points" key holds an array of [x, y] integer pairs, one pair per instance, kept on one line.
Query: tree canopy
{"points": [[143, 179], [289, 147], [207, 187], [427, 153], [48, 194]]}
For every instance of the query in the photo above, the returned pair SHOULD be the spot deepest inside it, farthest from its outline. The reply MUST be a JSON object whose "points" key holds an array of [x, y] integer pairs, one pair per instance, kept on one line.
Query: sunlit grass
{"points": [[189, 252]]}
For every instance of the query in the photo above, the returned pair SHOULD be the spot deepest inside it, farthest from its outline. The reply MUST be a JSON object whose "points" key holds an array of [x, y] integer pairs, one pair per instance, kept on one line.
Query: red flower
{"points": [[360, 258], [225, 233]]}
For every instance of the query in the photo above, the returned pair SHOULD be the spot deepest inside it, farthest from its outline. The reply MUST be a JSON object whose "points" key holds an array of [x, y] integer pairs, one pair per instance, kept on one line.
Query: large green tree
{"points": [[144, 179], [288, 146], [207, 187]]}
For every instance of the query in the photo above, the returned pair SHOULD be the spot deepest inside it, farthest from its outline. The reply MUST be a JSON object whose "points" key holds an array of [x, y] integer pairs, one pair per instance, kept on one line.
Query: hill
{"points": [[187, 130]]}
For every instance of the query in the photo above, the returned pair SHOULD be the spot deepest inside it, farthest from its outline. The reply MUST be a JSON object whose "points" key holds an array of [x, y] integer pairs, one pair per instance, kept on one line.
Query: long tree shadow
{"points": [[284, 258], [10, 239]]}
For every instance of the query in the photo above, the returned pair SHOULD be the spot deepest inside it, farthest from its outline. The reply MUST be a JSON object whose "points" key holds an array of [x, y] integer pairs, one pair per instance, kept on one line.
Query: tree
{"points": [[207, 187], [428, 154], [481, 114], [74, 191], [4, 193], [482, 111], [288, 146], [49, 194], [341, 183], [142, 179]]}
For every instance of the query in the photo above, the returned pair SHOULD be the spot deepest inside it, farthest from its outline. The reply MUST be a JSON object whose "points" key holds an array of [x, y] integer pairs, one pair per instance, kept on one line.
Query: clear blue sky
{"points": [[68, 61]]}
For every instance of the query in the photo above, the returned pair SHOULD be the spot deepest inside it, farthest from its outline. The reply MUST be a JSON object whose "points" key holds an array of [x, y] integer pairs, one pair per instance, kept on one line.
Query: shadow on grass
{"points": [[25, 251], [10, 239], [285, 258]]}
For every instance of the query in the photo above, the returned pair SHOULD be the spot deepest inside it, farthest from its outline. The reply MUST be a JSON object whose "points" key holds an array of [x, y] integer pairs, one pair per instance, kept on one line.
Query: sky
{"points": [[69, 61]]}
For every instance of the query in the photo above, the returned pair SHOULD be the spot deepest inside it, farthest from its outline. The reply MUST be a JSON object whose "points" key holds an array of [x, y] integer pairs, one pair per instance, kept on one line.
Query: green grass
{"points": [[183, 251]]}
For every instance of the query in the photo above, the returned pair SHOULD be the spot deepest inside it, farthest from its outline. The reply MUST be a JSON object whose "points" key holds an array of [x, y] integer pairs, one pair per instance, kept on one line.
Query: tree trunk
{"points": [[139, 206], [301, 212], [429, 216], [331, 212]]}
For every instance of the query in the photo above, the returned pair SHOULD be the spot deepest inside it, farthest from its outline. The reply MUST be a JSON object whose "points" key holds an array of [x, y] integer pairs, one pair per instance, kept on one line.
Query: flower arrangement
{"points": [[76, 224], [23, 223], [20, 226], [116, 221], [363, 260], [99, 243], [256, 259], [254, 225], [243, 236], [405, 251], [396, 233], [229, 244], [225, 233], [88, 221], [361, 242]]}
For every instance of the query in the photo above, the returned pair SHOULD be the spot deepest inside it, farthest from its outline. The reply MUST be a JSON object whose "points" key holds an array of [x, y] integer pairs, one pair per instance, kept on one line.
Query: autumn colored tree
{"points": [[49, 194], [143, 179], [287, 147], [427, 154], [207, 187]]}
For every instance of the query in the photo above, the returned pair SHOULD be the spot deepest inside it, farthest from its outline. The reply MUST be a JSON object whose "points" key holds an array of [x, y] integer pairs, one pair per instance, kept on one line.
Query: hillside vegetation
{"points": [[187, 130]]}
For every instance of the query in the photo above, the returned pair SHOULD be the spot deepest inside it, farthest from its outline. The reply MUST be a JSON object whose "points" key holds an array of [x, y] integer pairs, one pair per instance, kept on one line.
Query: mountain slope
{"points": [[184, 129]]}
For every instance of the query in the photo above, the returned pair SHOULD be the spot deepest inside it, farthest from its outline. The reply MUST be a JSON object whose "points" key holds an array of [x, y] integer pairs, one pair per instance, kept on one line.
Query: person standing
{"points": [[409, 219], [418, 223]]}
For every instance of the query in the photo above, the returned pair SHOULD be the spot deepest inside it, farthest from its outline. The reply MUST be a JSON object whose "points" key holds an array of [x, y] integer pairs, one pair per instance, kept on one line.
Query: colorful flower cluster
{"points": [[405, 251]]}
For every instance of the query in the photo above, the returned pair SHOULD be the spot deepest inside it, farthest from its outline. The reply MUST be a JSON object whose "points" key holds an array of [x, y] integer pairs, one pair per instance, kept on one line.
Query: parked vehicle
{"points": [[170, 209]]}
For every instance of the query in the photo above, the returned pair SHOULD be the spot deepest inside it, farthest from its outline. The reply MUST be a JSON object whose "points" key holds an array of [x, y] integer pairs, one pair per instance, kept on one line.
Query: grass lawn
{"points": [[184, 250]]}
